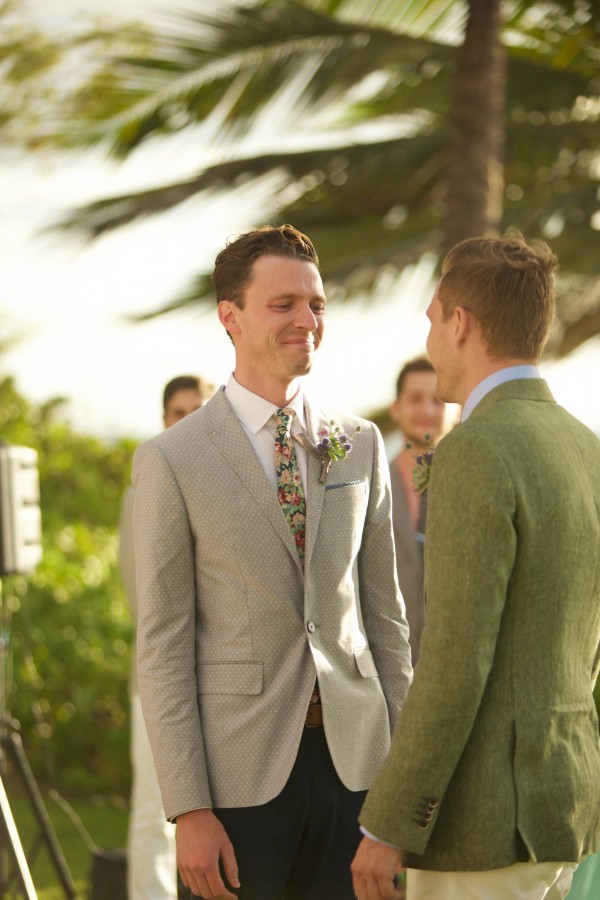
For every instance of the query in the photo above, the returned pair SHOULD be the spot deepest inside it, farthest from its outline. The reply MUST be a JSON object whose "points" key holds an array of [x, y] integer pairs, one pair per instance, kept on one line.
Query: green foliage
{"points": [[105, 823], [368, 90], [358, 99], [71, 631], [37, 65]]}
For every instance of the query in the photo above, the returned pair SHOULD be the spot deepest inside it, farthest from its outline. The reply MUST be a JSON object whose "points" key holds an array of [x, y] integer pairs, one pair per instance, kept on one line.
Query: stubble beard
{"points": [[302, 365]]}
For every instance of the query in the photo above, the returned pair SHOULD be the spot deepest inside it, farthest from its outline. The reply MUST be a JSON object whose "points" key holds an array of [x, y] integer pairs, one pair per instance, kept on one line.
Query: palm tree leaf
{"points": [[439, 19], [359, 167], [375, 204], [242, 57]]}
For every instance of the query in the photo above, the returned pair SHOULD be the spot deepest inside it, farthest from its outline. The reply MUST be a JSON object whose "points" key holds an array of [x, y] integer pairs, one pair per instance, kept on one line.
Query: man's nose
{"points": [[306, 319]]}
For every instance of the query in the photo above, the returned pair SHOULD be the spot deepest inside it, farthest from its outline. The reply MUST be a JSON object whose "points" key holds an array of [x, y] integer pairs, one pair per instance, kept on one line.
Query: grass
{"points": [[105, 821]]}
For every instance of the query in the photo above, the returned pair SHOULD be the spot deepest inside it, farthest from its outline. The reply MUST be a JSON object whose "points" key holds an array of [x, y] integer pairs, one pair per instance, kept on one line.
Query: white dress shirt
{"points": [[511, 373], [256, 418]]}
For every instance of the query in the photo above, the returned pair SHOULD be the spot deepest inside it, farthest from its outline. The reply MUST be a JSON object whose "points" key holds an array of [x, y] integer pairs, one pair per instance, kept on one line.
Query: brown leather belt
{"points": [[314, 715]]}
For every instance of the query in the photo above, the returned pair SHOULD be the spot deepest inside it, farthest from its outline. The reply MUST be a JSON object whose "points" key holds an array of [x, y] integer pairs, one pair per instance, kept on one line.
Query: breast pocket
{"points": [[344, 512], [348, 484]]}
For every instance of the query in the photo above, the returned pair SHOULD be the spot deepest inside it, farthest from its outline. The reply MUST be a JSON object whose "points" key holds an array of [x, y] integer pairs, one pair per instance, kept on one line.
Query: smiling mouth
{"points": [[300, 342]]}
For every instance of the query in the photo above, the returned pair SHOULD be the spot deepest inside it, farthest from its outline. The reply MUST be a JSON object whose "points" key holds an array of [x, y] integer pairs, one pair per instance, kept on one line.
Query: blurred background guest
{"points": [[420, 417], [151, 865]]}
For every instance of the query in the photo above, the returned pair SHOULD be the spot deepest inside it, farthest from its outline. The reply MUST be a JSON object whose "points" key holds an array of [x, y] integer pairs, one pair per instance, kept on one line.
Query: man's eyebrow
{"points": [[321, 298]]}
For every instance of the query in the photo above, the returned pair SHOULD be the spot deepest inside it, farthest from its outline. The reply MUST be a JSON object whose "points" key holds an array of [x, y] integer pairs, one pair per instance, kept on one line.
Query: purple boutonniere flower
{"points": [[333, 445]]}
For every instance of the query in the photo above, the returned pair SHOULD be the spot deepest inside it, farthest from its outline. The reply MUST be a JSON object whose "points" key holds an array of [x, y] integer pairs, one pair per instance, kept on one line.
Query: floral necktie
{"points": [[289, 484], [291, 497]]}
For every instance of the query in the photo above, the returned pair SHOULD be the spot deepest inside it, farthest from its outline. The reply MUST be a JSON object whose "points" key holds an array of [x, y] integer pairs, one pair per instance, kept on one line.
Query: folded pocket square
{"points": [[341, 484]]}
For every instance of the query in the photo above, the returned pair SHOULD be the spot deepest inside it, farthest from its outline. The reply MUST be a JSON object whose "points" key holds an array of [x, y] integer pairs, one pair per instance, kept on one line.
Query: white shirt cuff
{"points": [[375, 838]]}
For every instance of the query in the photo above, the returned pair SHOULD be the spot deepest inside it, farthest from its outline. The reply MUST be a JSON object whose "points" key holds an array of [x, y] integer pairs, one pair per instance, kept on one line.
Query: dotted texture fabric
{"points": [[233, 629]]}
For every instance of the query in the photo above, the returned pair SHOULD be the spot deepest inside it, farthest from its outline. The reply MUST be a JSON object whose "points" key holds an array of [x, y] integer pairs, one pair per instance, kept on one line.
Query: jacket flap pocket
{"points": [[365, 662], [230, 678]]}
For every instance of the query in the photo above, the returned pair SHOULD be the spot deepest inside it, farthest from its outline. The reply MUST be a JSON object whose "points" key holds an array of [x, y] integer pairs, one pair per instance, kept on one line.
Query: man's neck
{"points": [[519, 370], [486, 367], [276, 392]]}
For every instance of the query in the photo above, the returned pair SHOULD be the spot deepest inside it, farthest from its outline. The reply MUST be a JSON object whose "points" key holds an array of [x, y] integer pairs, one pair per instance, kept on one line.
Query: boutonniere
{"points": [[333, 445], [421, 472]]}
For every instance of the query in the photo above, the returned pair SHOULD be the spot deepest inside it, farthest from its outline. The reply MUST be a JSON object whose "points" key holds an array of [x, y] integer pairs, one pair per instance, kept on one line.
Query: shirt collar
{"points": [[511, 373], [255, 411]]}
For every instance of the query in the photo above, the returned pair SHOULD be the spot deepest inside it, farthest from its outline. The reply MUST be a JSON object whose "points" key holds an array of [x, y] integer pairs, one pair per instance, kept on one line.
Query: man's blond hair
{"points": [[508, 285]]}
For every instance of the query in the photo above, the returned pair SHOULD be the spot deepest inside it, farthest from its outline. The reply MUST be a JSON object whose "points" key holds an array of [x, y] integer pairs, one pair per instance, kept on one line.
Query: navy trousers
{"points": [[299, 846]]}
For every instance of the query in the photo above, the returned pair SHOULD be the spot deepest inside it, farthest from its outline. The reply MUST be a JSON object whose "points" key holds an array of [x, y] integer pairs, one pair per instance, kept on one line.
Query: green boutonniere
{"points": [[333, 445], [421, 472]]}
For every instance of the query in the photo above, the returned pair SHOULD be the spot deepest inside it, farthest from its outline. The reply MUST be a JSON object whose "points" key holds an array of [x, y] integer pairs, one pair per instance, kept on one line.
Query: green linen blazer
{"points": [[496, 757]]}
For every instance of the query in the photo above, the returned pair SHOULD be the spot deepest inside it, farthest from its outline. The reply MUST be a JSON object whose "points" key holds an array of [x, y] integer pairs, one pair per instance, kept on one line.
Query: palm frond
{"points": [[238, 61], [437, 19], [319, 175], [372, 205]]}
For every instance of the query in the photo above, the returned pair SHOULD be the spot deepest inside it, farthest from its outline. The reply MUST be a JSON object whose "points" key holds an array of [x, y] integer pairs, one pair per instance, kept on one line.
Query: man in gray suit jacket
{"points": [[272, 644], [491, 790]]}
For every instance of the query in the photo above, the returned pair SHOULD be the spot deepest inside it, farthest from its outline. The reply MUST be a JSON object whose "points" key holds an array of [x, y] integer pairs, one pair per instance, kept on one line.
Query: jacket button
{"points": [[311, 626]]}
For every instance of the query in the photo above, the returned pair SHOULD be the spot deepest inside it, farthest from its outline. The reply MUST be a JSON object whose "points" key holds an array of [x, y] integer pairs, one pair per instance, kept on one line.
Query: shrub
{"points": [[69, 623]]}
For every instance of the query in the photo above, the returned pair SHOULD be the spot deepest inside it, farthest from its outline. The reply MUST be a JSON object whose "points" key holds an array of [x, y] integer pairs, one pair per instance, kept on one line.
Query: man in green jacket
{"points": [[491, 789]]}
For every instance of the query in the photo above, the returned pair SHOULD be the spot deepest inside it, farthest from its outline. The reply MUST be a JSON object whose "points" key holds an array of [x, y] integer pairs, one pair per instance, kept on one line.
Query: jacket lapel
{"points": [[316, 490], [229, 436]]}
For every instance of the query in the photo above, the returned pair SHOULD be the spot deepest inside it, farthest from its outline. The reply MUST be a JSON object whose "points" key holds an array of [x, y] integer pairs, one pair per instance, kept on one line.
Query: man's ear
{"points": [[227, 312], [463, 324]]}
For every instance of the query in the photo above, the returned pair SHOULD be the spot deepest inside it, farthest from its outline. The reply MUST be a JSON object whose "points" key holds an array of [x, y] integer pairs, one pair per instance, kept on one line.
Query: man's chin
{"points": [[302, 363], [443, 390]]}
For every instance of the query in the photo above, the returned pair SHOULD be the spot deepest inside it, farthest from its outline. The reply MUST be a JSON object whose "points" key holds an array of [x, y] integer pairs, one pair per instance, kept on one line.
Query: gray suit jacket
{"points": [[232, 630], [496, 757]]}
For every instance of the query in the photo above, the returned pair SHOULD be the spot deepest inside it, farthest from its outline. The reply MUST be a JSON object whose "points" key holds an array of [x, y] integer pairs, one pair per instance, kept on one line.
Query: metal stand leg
{"points": [[11, 745], [15, 855]]}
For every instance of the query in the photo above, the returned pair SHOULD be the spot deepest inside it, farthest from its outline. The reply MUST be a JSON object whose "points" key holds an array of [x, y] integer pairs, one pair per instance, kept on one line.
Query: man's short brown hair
{"points": [[197, 383], [233, 265], [508, 285], [418, 364]]}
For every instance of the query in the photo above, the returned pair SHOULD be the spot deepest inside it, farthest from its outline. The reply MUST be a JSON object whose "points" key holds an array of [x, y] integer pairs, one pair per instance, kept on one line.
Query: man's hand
{"points": [[373, 871], [201, 843]]}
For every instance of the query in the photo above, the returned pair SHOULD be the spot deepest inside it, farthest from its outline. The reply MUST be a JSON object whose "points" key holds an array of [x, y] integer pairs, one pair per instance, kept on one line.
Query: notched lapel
{"points": [[316, 488], [232, 441]]}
